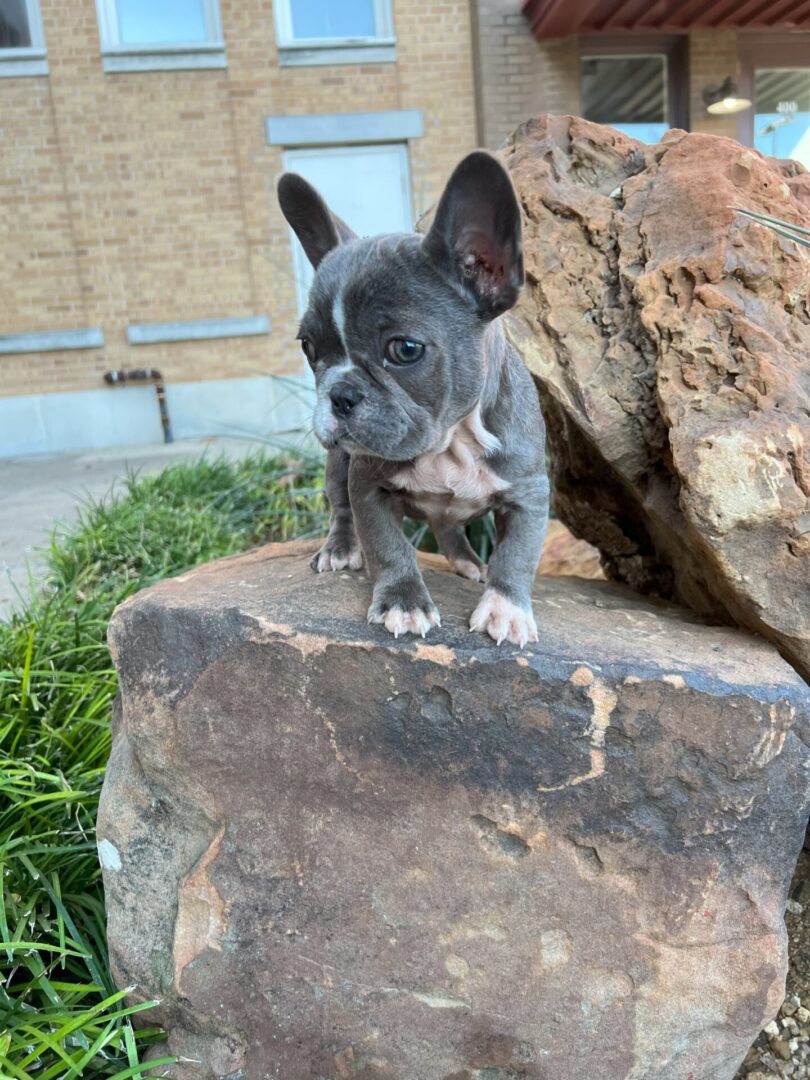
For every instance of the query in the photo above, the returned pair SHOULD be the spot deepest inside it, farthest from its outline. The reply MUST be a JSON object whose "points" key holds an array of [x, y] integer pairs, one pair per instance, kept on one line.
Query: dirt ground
{"points": [[783, 1048]]}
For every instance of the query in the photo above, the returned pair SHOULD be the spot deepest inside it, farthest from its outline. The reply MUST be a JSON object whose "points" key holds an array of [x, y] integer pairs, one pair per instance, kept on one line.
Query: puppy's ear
{"points": [[318, 229], [475, 239]]}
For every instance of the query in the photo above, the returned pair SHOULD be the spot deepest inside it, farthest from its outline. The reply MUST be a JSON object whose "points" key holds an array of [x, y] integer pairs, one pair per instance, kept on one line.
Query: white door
{"points": [[368, 186]]}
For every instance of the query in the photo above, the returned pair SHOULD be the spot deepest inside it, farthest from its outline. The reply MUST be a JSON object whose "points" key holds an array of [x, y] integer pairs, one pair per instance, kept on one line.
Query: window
{"points": [[782, 113], [775, 75], [627, 92], [151, 35], [637, 84], [325, 32], [319, 19], [22, 43], [368, 186], [15, 25]]}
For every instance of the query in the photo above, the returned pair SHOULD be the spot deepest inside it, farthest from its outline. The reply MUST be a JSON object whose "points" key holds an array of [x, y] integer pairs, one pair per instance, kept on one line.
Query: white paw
{"points": [[398, 621], [329, 559], [503, 620], [469, 570]]}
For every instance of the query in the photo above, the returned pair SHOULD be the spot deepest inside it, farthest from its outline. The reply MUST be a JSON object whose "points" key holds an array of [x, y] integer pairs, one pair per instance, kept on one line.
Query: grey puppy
{"points": [[424, 407]]}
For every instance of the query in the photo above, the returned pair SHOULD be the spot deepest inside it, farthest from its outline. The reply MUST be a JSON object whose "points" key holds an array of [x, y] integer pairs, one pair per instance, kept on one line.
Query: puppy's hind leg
{"points": [[341, 550], [456, 549]]}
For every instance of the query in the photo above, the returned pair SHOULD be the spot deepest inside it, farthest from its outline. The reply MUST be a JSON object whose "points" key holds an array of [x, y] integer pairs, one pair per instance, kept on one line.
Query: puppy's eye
{"points": [[403, 351], [309, 350]]}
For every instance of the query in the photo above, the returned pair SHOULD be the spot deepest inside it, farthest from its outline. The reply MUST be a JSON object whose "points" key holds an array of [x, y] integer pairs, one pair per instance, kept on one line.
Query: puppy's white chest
{"points": [[454, 483]]}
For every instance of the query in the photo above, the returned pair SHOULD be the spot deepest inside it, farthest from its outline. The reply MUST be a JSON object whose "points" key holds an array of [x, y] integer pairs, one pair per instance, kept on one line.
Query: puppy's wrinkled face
{"points": [[395, 326], [397, 353]]}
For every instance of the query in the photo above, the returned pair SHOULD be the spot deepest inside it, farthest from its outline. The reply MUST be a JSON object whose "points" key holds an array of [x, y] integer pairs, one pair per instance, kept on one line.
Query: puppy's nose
{"points": [[344, 398]]}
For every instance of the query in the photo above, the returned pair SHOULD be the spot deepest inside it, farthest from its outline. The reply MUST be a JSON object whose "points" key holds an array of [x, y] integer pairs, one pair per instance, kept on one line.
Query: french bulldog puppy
{"points": [[424, 407]]}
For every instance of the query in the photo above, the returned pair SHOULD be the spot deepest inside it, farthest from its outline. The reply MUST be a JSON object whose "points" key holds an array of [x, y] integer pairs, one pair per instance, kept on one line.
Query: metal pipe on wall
{"points": [[114, 378]]}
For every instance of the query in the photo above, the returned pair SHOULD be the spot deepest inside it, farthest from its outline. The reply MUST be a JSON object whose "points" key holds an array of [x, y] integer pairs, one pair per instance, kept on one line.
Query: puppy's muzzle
{"points": [[345, 398]]}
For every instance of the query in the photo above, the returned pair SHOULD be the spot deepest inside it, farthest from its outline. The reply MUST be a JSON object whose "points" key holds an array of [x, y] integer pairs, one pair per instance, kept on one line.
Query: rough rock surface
{"points": [[671, 342], [332, 854], [564, 555], [796, 177]]}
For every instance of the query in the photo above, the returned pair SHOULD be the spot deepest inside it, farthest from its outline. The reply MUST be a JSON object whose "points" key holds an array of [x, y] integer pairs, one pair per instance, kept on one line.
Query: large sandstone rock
{"points": [[671, 341], [335, 855]]}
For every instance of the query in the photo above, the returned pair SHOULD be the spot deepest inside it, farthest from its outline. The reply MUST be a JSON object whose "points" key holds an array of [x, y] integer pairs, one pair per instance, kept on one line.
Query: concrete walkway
{"points": [[40, 493]]}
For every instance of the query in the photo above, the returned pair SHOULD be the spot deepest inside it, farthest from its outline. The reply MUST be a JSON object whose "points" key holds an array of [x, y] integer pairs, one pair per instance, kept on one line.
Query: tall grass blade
{"points": [[60, 1018]]}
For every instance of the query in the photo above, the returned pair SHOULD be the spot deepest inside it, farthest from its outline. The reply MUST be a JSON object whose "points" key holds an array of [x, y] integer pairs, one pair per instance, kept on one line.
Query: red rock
{"points": [[796, 177], [564, 555], [800, 189], [670, 338]]}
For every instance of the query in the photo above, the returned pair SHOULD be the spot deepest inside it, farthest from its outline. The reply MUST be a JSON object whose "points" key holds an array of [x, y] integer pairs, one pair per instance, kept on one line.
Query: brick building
{"points": [[645, 65], [140, 141]]}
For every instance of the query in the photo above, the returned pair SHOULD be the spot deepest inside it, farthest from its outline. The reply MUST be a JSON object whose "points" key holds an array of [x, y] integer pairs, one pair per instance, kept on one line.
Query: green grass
{"points": [[60, 1013]]}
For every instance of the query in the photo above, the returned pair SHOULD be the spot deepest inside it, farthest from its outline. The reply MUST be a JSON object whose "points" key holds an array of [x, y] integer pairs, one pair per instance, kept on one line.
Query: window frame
{"points": [[120, 56], [785, 50], [28, 59], [377, 48], [673, 47]]}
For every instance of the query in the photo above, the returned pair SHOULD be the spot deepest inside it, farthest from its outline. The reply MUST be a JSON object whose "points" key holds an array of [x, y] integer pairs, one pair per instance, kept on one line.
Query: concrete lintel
{"points": [[393, 125], [52, 340], [157, 60], [197, 330], [299, 56]]}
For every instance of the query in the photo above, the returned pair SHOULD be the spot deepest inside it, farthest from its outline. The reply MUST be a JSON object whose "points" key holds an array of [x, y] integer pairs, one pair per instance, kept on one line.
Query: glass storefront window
{"points": [[627, 92], [782, 113]]}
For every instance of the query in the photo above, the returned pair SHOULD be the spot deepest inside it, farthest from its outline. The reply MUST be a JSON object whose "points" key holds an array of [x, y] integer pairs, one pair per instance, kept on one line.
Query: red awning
{"points": [[556, 18]]}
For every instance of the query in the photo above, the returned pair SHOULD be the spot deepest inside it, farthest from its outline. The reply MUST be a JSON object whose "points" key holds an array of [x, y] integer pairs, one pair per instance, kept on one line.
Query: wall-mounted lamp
{"points": [[722, 100]]}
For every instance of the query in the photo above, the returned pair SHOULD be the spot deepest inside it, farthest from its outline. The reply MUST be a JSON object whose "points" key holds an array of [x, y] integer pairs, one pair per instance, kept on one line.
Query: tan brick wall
{"points": [[713, 55], [149, 196], [520, 77]]}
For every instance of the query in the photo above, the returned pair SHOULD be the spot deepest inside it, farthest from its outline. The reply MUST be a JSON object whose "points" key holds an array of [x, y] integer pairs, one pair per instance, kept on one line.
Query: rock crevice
{"points": [[670, 341]]}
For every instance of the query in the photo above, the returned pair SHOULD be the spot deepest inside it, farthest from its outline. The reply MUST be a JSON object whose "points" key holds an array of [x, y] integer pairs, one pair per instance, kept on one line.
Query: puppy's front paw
{"points": [[338, 553], [404, 608], [503, 620]]}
